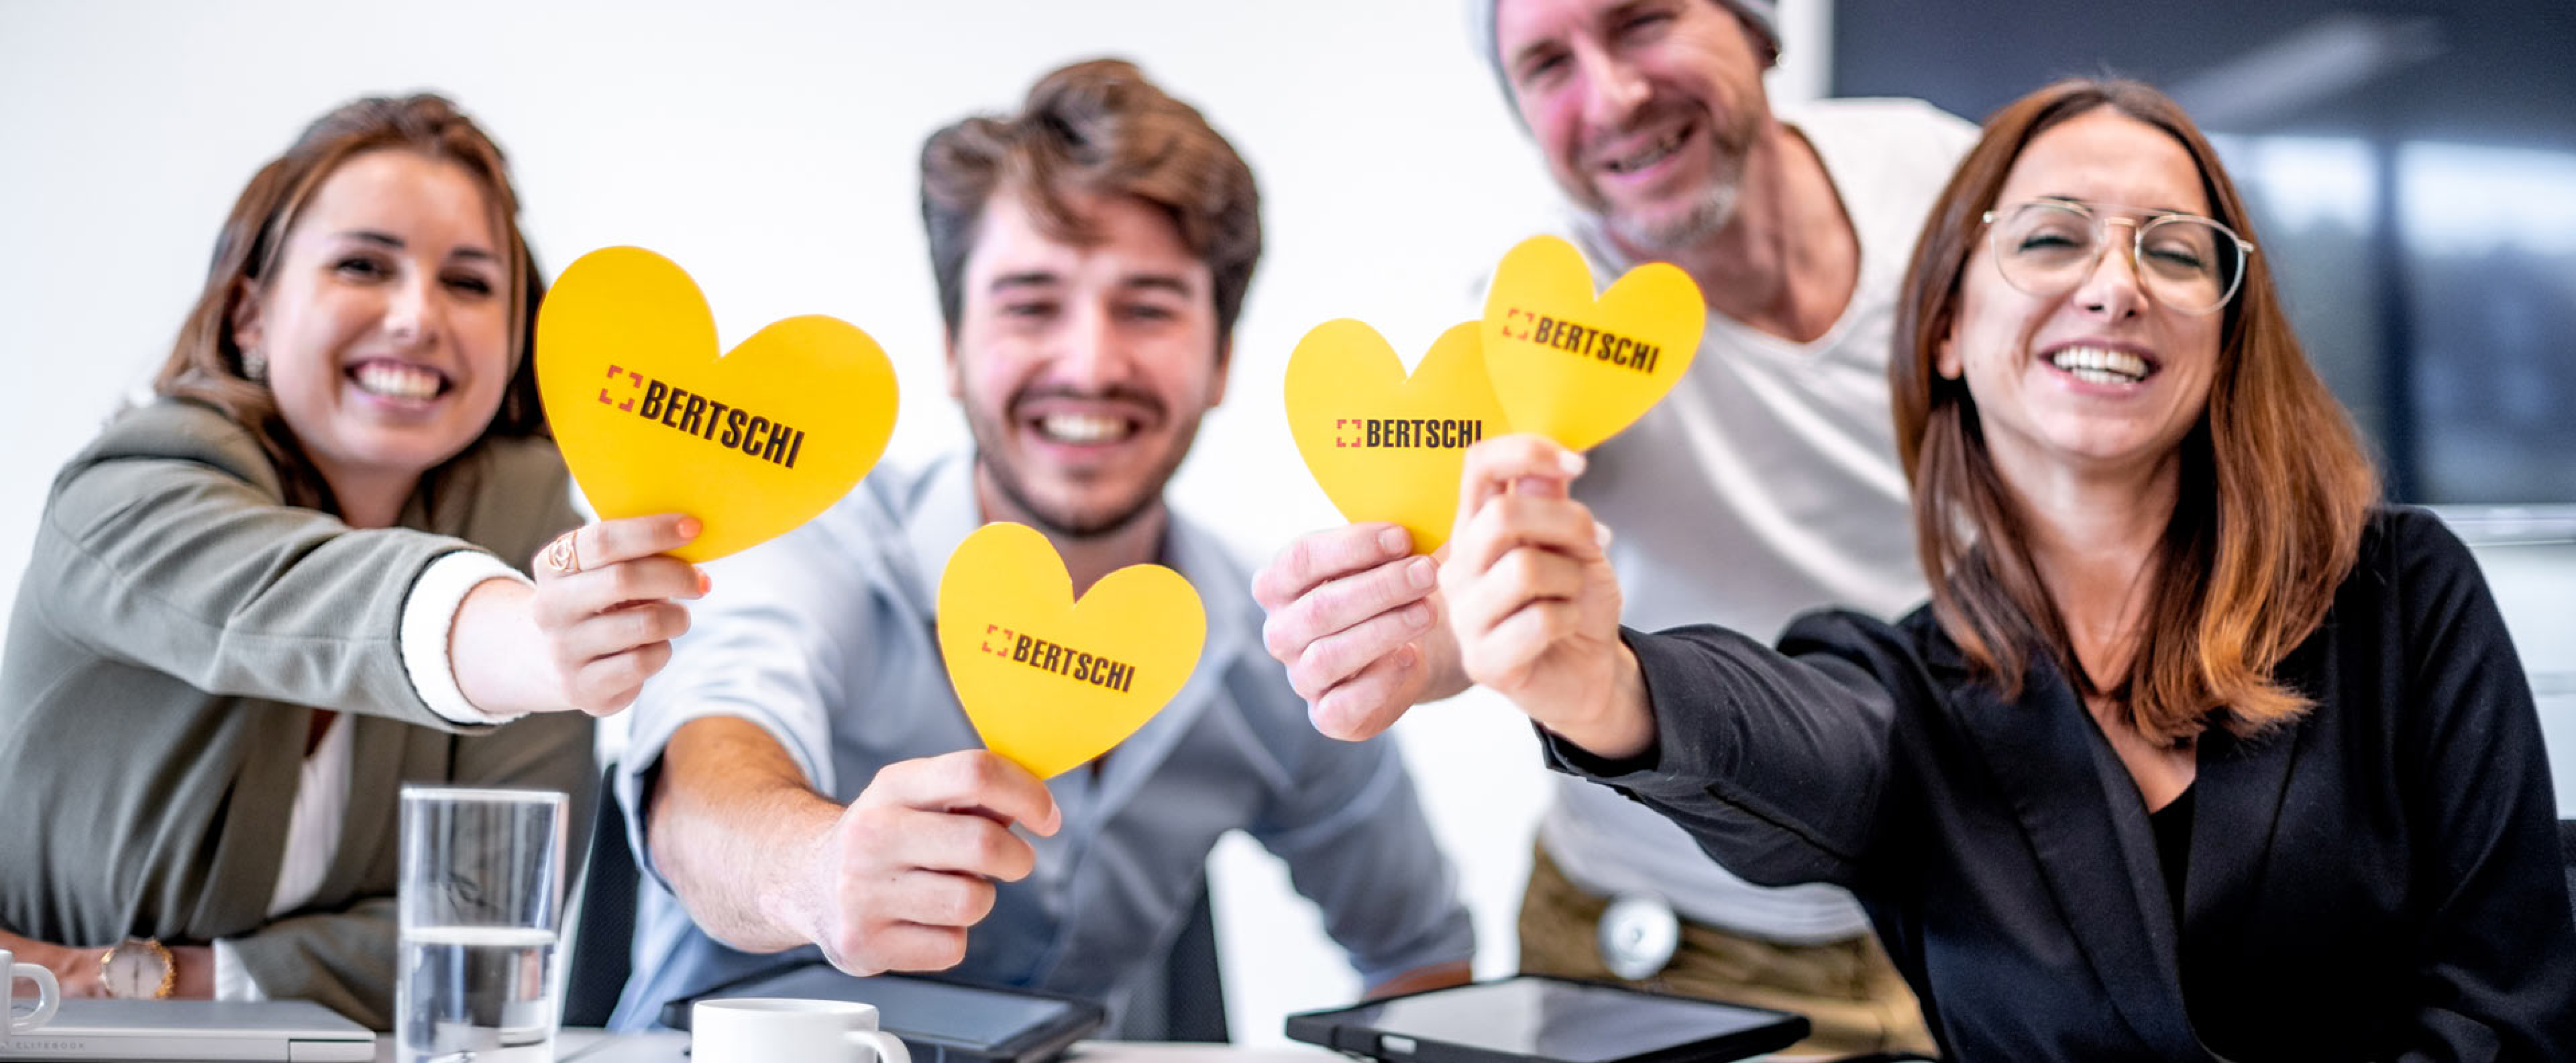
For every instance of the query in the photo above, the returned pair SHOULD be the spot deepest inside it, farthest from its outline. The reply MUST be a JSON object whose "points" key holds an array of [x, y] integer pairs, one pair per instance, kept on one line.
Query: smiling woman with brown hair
{"points": [[2274, 453], [2196, 754], [263, 602]]}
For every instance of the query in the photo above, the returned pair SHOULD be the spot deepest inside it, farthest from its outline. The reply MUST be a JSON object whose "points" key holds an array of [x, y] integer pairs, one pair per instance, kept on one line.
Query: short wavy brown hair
{"points": [[205, 365], [1096, 127]]}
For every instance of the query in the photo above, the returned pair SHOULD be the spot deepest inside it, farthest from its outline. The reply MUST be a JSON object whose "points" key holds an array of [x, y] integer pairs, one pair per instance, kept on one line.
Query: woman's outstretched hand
{"points": [[1533, 601], [598, 623]]}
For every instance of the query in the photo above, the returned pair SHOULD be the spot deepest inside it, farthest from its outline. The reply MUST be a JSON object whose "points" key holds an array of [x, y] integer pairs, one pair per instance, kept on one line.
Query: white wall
{"points": [[770, 148]]}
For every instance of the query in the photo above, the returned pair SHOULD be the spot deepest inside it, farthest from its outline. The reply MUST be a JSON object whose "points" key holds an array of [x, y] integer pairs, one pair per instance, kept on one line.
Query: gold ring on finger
{"points": [[561, 556]]}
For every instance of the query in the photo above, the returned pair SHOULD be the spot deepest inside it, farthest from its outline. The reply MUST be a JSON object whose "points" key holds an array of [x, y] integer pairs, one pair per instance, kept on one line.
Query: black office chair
{"points": [[603, 949], [1185, 999], [2567, 848], [1194, 989]]}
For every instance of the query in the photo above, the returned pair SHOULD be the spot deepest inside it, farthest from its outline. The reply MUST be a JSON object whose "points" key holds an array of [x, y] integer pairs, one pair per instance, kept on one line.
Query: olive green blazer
{"points": [[177, 626]]}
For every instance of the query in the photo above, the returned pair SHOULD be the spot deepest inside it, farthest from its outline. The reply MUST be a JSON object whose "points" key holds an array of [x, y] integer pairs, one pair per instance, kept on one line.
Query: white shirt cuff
{"points": [[232, 980], [429, 616]]}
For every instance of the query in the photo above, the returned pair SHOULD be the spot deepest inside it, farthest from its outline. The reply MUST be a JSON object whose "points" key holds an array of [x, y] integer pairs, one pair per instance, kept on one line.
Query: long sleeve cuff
{"points": [[429, 616], [232, 979]]}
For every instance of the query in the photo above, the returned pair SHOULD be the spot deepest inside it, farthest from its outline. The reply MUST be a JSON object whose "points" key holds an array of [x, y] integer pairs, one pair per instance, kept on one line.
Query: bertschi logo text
{"points": [[1407, 433], [727, 426], [1581, 341], [1045, 656]]}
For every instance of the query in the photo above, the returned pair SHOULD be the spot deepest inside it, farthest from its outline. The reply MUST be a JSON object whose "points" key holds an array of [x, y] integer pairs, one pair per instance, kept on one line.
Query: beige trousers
{"points": [[1848, 989]]}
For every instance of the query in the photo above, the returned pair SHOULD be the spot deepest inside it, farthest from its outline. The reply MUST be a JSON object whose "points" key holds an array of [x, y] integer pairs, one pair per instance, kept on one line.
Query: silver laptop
{"points": [[287, 1031]]}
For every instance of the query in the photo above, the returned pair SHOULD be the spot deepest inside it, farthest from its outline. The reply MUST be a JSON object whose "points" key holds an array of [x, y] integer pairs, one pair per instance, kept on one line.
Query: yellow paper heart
{"points": [[651, 421], [1049, 683], [1382, 445], [1578, 369]]}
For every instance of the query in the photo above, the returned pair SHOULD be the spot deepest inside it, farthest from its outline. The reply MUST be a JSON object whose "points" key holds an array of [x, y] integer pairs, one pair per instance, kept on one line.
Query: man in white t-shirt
{"points": [[1765, 485]]}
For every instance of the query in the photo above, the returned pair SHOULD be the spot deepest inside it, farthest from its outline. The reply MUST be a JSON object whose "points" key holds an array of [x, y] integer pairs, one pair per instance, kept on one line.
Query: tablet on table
{"points": [[1538, 1019], [939, 1021]]}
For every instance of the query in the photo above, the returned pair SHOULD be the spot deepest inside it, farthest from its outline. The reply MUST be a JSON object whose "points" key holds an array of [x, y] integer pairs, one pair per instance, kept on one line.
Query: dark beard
{"points": [[1006, 478], [1070, 526]]}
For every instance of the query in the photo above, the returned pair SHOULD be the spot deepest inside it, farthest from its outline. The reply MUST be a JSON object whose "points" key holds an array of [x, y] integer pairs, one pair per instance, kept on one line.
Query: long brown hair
{"points": [[1101, 127], [2274, 485], [205, 365]]}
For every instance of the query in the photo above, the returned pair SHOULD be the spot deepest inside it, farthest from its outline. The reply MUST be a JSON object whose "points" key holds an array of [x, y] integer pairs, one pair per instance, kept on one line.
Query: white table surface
{"points": [[668, 1046]]}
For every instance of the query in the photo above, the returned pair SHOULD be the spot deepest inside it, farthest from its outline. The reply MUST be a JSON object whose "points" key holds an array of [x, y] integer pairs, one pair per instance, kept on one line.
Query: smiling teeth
{"points": [[2094, 365], [1653, 154], [397, 381], [1083, 428]]}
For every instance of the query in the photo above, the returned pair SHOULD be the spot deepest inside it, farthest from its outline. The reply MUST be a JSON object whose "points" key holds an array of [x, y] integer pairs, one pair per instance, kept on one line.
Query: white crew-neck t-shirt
{"points": [[1765, 485]]}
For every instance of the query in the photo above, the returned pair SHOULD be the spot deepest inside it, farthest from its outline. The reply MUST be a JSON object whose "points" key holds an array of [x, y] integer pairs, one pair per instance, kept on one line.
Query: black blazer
{"points": [[2381, 880]]}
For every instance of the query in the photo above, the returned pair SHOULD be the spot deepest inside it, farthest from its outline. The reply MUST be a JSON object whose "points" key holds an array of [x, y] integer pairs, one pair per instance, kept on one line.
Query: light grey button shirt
{"points": [[825, 637]]}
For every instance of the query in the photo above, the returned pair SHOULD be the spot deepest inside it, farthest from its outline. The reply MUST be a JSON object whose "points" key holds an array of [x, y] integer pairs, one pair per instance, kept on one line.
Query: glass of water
{"points": [[482, 910]]}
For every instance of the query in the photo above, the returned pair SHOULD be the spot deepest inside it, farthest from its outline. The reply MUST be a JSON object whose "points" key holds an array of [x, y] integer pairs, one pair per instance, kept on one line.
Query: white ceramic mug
{"points": [[49, 996], [763, 1030]]}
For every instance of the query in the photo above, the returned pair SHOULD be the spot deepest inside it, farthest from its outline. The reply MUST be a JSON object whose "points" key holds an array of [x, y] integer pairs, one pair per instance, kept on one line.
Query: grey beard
{"points": [[1694, 227]]}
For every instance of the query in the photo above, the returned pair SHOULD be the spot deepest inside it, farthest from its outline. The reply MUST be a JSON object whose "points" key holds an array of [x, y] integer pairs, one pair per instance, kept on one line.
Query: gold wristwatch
{"points": [[138, 969]]}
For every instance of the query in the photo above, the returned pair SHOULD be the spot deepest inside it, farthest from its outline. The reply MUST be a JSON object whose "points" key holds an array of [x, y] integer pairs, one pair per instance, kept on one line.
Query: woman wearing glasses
{"points": [[2198, 752]]}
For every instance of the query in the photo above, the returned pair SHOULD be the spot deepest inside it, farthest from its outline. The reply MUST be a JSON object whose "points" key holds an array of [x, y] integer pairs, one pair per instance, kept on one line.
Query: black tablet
{"points": [[940, 1021], [1535, 1019]]}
